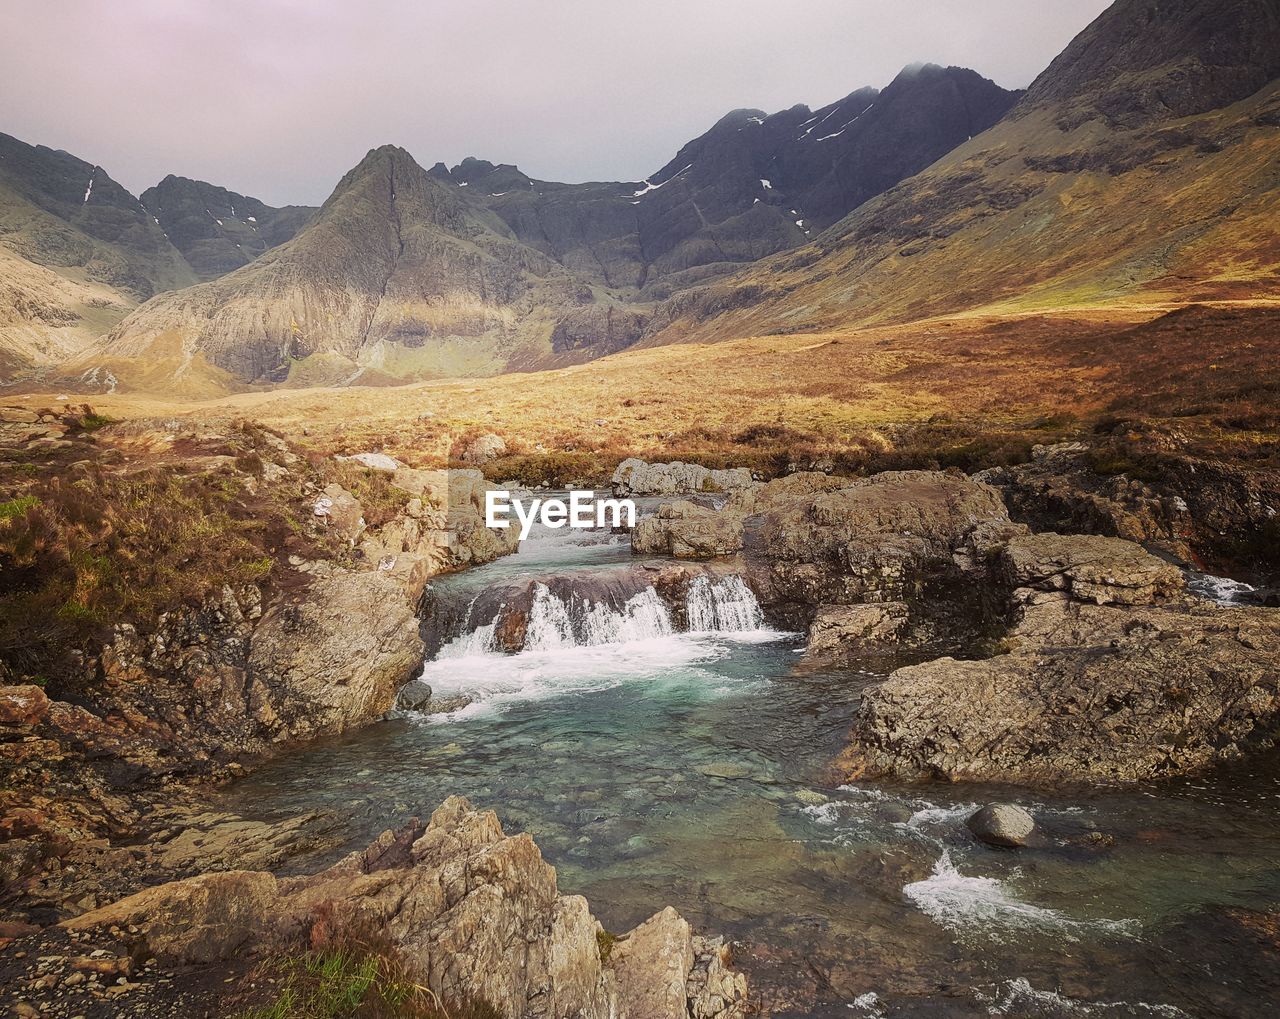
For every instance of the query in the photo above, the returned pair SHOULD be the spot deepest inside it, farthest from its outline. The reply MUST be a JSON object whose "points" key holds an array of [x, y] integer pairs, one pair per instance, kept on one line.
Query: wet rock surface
{"points": [[1001, 824]]}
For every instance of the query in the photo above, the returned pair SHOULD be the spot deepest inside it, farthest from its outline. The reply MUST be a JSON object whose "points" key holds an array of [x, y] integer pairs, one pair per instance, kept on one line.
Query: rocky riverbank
{"points": [[461, 909], [1102, 667], [314, 640]]}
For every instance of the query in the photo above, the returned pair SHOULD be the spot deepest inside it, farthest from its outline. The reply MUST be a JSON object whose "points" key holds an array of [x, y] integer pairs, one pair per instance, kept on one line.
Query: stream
{"points": [[693, 768]]}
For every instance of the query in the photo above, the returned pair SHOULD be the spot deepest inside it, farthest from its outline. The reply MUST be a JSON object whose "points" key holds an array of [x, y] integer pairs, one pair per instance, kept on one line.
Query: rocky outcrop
{"points": [[635, 477], [687, 531], [318, 646], [472, 913], [1104, 571], [1153, 492], [883, 538], [1095, 687]]}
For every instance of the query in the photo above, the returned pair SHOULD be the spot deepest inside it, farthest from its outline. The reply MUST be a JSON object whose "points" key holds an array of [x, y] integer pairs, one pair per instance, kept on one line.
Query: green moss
{"points": [[605, 942]]}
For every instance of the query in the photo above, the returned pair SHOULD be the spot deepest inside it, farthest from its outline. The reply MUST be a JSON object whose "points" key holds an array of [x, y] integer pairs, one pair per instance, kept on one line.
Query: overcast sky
{"points": [[278, 98]]}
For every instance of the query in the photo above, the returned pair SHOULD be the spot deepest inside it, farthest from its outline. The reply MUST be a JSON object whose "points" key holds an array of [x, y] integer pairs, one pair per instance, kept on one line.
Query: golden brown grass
{"points": [[855, 393]]}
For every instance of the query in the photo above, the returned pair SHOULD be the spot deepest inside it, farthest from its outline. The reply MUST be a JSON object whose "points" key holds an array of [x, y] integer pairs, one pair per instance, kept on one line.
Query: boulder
{"points": [[374, 461], [651, 965], [1091, 693], [1001, 824], [414, 695], [336, 660], [876, 539], [198, 920], [687, 531], [635, 477], [840, 629], [483, 448], [340, 510]]}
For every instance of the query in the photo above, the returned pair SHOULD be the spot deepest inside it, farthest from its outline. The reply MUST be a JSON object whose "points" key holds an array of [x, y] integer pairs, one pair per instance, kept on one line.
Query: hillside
{"points": [[1140, 167], [398, 274], [77, 252]]}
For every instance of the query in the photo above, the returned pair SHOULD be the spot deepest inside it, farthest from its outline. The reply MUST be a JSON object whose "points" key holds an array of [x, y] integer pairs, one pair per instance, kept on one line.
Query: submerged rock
{"points": [[1001, 824]]}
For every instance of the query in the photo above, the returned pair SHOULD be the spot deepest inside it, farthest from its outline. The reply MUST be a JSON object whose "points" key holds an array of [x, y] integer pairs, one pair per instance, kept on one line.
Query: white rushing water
{"points": [[573, 645], [726, 605], [987, 906], [1222, 590]]}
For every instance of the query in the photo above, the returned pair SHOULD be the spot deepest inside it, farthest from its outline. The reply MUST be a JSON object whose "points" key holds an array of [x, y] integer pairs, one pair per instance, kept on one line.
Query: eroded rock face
{"points": [[1194, 508], [475, 914], [1090, 568], [199, 920], [882, 538], [635, 477]]}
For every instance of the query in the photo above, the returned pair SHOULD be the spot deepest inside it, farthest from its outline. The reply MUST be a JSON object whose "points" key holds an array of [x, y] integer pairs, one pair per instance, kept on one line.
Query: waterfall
{"points": [[479, 641], [723, 605], [554, 623], [572, 618]]}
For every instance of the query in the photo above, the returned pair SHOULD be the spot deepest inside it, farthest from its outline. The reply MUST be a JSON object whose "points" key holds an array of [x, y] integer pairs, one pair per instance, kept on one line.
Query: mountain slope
{"points": [[397, 276], [1061, 203], [218, 230], [77, 252]]}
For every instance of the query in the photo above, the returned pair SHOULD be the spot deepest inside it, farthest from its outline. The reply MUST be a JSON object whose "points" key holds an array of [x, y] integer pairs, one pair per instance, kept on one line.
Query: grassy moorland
{"points": [[964, 391]]}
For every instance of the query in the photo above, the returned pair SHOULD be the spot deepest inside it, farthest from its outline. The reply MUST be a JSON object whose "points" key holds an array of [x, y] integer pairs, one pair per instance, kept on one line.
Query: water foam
{"points": [[985, 905], [1019, 998], [573, 645], [1222, 590]]}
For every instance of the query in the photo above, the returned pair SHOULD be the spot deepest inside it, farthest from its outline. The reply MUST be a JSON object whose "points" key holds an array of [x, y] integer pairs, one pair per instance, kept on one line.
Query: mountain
{"points": [[412, 273], [1140, 167], [218, 230], [397, 275], [77, 252], [751, 186]]}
